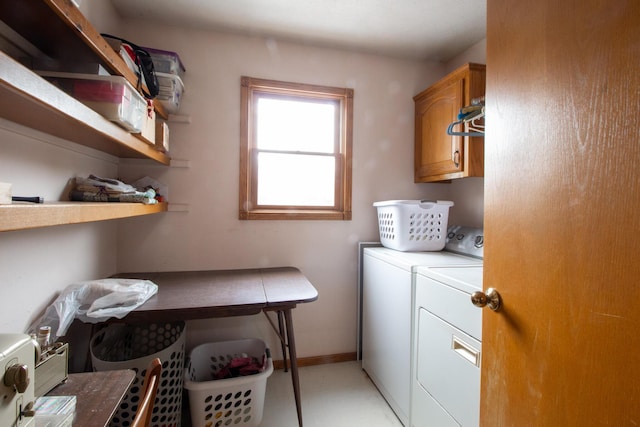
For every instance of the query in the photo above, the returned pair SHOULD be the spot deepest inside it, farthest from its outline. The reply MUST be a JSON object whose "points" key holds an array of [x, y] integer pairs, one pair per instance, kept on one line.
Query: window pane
{"points": [[295, 180], [287, 125], [296, 148]]}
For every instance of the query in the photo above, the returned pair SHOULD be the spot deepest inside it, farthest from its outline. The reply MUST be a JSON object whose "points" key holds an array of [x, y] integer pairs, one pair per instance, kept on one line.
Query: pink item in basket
{"points": [[240, 366]]}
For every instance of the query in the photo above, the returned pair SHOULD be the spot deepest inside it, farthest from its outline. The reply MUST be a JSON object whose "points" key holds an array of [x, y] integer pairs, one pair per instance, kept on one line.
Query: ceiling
{"points": [[417, 29]]}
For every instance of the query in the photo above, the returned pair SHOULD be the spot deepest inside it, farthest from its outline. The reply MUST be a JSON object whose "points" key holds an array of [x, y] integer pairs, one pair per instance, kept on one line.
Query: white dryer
{"points": [[447, 345], [387, 277]]}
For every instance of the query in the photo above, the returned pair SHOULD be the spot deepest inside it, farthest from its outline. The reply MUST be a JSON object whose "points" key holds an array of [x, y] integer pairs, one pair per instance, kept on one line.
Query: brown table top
{"points": [[98, 395], [185, 295]]}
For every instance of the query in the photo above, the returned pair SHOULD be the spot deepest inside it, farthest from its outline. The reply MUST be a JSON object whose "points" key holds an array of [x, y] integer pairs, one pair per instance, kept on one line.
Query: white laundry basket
{"points": [[413, 225], [123, 346], [235, 401]]}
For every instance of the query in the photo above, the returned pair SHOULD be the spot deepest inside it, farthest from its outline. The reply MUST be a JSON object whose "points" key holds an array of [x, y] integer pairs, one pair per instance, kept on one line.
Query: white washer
{"points": [[447, 338], [387, 311]]}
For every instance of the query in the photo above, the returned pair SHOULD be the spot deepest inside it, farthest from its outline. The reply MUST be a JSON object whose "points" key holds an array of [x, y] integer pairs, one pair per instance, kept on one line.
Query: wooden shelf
{"points": [[66, 37], [21, 216], [64, 40], [29, 100], [68, 42]]}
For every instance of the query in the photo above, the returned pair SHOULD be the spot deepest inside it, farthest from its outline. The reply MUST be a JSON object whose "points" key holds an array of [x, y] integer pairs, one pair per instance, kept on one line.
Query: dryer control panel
{"points": [[467, 241]]}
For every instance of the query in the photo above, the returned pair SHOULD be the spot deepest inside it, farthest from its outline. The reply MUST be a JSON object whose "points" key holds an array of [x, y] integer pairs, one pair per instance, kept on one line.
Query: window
{"points": [[295, 151]]}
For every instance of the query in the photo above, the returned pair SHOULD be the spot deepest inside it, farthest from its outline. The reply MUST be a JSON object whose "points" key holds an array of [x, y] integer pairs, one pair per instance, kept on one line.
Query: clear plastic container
{"points": [[171, 90], [111, 96], [165, 61]]}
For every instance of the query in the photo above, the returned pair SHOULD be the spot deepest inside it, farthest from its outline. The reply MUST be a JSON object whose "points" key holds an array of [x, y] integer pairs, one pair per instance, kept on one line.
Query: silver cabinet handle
{"points": [[456, 158]]}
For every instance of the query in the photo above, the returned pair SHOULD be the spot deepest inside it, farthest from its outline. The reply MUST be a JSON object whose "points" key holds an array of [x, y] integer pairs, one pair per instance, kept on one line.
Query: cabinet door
{"points": [[437, 153], [439, 156]]}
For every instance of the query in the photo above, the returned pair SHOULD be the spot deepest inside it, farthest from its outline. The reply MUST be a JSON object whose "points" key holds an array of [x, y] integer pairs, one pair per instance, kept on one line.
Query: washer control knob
{"points": [[490, 298], [17, 376]]}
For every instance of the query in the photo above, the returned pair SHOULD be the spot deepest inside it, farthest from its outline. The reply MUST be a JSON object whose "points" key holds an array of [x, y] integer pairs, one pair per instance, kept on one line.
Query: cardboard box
{"points": [[162, 136], [5, 193], [148, 132]]}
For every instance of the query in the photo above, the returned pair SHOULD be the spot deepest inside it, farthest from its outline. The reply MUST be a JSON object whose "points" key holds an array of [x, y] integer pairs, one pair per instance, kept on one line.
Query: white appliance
{"points": [[386, 311], [447, 328], [17, 361]]}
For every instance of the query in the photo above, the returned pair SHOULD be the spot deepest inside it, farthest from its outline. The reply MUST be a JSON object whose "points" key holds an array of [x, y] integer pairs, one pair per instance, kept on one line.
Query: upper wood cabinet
{"points": [[439, 156]]}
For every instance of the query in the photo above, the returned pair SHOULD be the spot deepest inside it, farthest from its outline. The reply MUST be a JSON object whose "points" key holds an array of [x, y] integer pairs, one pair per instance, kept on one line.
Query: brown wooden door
{"points": [[562, 214]]}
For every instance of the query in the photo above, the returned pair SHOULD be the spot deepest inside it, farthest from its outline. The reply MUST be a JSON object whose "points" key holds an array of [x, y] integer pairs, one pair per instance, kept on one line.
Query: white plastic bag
{"points": [[95, 301]]}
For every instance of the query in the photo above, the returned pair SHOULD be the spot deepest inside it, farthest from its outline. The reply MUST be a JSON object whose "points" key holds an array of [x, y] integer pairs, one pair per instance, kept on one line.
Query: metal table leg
{"points": [[283, 340], [287, 339], [294, 363]]}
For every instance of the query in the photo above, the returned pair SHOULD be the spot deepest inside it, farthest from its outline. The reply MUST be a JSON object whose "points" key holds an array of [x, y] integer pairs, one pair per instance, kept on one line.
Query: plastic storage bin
{"points": [[121, 346], [165, 61], [171, 90], [111, 96], [413, 225], [226, 402]]}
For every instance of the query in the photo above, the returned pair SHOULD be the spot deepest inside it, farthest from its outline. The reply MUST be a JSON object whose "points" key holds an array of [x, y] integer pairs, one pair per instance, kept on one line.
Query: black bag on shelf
{"points": [[145, 68]]}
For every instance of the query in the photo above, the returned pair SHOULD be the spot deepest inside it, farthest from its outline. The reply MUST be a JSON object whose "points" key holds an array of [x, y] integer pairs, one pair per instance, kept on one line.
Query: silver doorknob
{"points": [[490, 298]]}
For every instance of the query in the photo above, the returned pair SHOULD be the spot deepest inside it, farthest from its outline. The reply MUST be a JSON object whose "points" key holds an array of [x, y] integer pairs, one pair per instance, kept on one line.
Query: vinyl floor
{"points": [[335, 395]]}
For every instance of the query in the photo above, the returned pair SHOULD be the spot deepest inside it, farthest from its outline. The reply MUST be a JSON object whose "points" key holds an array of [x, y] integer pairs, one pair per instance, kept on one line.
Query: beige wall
{"points": [[36, 264], [208, 234]]}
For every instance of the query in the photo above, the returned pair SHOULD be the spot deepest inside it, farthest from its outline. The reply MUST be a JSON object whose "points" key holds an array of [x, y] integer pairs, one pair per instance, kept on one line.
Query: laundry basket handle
{"points": [[427, 204]]}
